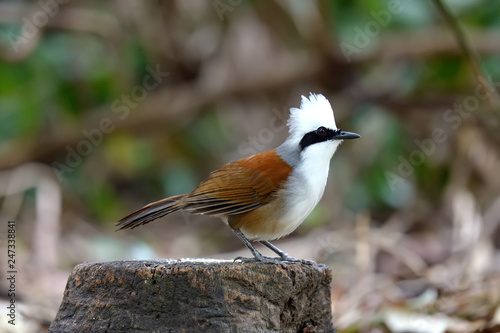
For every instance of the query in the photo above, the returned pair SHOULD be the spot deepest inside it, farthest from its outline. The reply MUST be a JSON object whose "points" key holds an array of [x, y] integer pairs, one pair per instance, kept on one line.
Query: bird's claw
{"points": [[244, 259], [275, 260], [260, 258], [286, 257]]}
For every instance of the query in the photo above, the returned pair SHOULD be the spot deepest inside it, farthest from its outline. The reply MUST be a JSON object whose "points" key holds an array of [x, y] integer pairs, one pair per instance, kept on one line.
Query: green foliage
{"points": [[73, 76]]}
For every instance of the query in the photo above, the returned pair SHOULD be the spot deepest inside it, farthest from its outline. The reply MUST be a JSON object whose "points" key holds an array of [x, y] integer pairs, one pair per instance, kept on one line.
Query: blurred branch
{"points": [[168, 109], [423, 43], [46, 226], [470, 54], [18, 46], [165, 108]]}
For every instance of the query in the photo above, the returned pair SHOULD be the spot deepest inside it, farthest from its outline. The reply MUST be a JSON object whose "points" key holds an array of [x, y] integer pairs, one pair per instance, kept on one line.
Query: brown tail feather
{"points": [[150, 212]]}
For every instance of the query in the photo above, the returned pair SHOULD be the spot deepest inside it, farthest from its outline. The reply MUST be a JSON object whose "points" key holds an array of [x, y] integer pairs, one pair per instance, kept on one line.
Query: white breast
{"points": [[306, 186]]}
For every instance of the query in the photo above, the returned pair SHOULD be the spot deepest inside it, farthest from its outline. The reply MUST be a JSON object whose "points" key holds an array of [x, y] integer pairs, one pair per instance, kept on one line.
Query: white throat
{"points": [[310, 159], [306, 184]]}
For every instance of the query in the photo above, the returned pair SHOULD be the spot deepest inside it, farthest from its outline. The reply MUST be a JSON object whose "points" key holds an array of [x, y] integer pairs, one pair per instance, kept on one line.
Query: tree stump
{"points": [[196, 296]]}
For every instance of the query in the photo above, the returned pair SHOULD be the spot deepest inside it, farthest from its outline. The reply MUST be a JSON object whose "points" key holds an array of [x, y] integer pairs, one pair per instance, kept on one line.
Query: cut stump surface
{"points": [[196, 296]]}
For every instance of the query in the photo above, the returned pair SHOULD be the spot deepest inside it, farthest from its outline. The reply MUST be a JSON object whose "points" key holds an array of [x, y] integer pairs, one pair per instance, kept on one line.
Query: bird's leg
{"points": [[273, 248], [257, 255], [284, 256]]}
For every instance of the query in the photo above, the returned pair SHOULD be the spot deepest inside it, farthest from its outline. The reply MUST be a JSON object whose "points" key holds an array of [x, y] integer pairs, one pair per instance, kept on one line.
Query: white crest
{"points": [[314, 112]]}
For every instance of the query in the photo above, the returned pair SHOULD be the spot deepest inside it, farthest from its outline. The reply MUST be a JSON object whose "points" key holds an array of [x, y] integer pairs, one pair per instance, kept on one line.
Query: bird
{"points": [[265, 196]]}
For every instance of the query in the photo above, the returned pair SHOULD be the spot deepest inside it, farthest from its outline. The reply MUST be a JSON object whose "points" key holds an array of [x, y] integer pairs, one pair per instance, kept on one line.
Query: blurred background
{"points": [[107, 106]]}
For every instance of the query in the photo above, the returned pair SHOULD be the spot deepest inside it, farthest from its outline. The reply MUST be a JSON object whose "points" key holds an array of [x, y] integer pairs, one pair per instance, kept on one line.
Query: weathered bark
{"points": [[196, 296]]}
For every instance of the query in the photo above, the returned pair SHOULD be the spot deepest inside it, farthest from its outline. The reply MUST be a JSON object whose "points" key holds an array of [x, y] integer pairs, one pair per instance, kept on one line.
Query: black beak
{"points": [[342, 135]]}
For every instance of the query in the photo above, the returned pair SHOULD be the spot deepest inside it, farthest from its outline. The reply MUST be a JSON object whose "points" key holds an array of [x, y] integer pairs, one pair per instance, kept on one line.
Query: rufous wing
{"points": [[240, 186]]}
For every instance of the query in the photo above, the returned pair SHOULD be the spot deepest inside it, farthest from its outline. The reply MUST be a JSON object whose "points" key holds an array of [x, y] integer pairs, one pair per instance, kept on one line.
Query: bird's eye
{"points": [[321, 131]]}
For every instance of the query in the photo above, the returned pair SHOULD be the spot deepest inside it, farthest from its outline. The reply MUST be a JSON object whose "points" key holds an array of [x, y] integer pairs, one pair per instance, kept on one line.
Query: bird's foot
{"points": [[286, 257], [259, 258], [275, 260], [244, 259]]}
